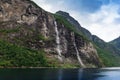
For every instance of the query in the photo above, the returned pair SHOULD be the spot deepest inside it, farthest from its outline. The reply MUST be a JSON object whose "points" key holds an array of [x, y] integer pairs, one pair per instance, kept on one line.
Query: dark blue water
{"points": [[60, 74]]}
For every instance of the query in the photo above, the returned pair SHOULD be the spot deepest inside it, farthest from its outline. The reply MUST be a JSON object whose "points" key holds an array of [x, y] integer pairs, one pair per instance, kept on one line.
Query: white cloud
{"points": [[51, 5], [44, 5], [101, 23]]}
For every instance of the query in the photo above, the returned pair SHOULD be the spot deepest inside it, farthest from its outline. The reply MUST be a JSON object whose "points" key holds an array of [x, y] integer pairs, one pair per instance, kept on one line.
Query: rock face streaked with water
{"points": [[58, 42], [25, 24]]}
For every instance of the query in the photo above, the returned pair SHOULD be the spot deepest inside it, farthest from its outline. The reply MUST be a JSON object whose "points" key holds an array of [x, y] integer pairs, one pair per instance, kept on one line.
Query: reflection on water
{"points": [[60, 74], [80, 74]]}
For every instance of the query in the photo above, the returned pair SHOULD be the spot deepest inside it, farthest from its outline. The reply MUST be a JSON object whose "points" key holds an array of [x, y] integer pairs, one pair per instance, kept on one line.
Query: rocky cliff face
{"points": [[75, 46], [105, 50], [23, 23]]}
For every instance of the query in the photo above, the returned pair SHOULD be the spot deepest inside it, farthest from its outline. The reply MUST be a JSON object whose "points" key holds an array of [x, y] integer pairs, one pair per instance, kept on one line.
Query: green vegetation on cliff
{"points": [[108, 59], [15, 56], [68, 25]]}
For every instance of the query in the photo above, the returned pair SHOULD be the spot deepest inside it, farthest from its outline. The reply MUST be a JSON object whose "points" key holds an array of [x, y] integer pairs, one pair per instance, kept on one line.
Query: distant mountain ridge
{"points": [[116, 42]]}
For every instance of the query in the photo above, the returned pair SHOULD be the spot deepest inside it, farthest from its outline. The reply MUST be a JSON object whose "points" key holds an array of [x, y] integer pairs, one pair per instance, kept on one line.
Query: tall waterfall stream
{"points": [[78, 56], [58, 42]]}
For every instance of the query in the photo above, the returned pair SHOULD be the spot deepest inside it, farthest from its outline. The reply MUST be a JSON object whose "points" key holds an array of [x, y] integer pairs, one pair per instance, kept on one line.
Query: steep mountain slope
{"points": [[116, 42], [32, 37], [105, 51], [76, 24], [109, 54]]}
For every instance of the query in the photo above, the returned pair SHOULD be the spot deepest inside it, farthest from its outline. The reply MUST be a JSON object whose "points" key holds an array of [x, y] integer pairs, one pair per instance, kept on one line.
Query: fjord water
{"points": [[60, 74]]}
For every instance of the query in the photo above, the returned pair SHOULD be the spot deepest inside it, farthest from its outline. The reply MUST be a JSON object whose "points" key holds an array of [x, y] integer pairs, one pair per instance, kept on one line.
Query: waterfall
{"points": [[58, 42], [78, 56]]}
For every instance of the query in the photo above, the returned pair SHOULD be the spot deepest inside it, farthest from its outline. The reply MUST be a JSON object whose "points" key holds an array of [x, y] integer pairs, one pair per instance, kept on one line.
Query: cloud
{"points": [[85, 5], [100, 17], [103, 22], [52, 5], [43, 4]]}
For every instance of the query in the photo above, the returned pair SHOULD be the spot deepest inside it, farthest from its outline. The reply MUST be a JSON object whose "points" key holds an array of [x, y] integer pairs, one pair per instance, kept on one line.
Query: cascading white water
{"points": [[78, 56], [58, 42]]}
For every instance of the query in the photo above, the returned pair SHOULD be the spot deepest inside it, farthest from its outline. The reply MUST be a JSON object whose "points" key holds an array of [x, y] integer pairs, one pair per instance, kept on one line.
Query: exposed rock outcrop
{"points": [[23, 23]]}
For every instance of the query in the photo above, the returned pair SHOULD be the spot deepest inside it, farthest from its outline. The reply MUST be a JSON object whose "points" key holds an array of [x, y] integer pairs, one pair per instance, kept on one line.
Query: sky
{"points": [[100, 17]]}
